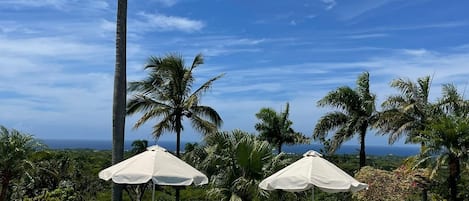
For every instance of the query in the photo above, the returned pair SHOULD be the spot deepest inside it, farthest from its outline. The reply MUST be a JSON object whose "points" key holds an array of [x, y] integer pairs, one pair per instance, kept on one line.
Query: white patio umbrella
{"points": [[312, 170], [155, 164]]}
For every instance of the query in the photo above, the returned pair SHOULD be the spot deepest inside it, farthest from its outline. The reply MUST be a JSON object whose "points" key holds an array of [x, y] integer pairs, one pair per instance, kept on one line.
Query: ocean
{"points": [[297, 149]]}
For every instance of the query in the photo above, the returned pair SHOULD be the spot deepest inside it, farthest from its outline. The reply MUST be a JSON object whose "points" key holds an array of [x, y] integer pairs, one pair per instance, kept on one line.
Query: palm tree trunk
{"points": [[178, 146], [424, 194], [454, 171], [362, 148], [3, 193], [422, 154], [120, 87], [178, 136]]}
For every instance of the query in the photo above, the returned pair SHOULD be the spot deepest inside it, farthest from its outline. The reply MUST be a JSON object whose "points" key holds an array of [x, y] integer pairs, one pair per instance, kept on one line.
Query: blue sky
{"points": [[57, 56]]}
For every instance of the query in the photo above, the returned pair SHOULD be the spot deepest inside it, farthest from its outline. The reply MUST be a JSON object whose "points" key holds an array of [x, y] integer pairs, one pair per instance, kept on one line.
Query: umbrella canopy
{"points": [[156, 164], [312, 170]]}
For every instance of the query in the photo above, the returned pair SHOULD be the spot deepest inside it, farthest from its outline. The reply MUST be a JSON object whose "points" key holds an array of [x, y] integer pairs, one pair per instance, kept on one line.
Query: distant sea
{"points": [[297, 149]]}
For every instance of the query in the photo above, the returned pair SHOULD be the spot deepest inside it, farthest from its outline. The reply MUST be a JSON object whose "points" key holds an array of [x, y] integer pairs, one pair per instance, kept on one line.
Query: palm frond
{"points": [[341, 135], [330, 121], [151, 114], [202, 125], [198, 60], [394, 101], [424, 84], [143, 103], [363, 85], [208, 113], [204, 88], [165, 124], [343, 98], [452, 102], [407, 88]]}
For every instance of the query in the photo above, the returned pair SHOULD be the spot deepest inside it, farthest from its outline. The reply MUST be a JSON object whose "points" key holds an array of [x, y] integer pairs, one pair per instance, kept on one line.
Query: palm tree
{"points": [[406, 114], [447, 136], [276, 128], [355, 115], [166, 93], [119, 99], [139, 146], [15, 149], [447, 140], [236, 162]]}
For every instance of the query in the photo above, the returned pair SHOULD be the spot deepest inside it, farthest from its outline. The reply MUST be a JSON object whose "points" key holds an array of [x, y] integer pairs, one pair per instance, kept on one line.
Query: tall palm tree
{"points": [[15, 149], [356, 114], [119, 99], [447, 136], [167, 94], [276, 128], [447, 140], [406, 114]]}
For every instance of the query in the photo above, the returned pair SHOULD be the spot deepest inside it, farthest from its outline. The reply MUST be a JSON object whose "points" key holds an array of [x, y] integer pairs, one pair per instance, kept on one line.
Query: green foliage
{"points": [[276, 128], [446, 139], [166, 93], [139, 146], [235, 162], [58, 172], [64, 192], [87, 164], [15, 149], [356, 114], [405, 114], [441, 128]]}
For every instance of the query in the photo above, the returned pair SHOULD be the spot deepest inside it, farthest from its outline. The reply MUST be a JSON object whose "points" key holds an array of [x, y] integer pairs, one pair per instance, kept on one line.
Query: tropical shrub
{"points": [[400, 184], [15, 149]]}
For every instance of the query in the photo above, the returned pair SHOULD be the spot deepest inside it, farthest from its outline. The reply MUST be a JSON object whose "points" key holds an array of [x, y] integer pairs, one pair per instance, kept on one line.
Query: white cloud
{"points": [[366, 36], [218, 51], [159, 22], [442, 25], [355, 9], [107, 25], [57, 47], [65, 5], [12, 27], [47, 96], [34, 3], [215, 45], [329, 4], [168, 3], [415, 52]]}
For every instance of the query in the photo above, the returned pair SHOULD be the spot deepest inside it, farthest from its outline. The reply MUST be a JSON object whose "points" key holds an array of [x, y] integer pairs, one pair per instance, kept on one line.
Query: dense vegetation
{"points": [[236, 161], [72, 174]]}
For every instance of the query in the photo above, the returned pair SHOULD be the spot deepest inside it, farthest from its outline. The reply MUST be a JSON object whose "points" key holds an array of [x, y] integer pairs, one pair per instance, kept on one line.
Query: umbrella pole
{"points": [[153, 192], [312, 193]]}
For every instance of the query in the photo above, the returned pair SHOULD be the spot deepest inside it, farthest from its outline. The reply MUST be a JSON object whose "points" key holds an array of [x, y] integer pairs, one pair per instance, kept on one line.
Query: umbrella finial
{"points": [[155, 148], [312, 153]]}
